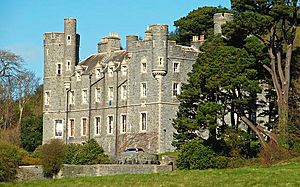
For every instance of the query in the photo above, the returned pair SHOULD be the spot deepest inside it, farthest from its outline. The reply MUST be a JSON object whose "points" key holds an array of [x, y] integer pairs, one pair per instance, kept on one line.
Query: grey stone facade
{"points": [[121, 98]]}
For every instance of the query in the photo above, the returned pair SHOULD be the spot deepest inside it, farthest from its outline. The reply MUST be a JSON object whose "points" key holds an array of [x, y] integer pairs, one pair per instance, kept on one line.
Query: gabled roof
{"points": [[94, 59]]}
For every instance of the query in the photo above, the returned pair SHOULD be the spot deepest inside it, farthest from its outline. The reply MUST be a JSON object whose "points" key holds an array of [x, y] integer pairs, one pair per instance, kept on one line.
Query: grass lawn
{"points": [[287, 174]]}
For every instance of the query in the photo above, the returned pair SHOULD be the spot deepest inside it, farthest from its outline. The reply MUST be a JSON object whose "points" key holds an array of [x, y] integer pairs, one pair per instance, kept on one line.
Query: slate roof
{"points": [[91, 61]]}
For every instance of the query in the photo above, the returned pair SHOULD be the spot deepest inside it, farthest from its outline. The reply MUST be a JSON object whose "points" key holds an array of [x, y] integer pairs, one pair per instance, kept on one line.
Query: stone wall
{"points": [[105, 169], [36, 172], [30, 173]]}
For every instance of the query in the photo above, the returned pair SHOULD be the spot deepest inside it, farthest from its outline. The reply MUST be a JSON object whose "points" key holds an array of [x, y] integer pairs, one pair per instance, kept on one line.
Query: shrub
{"points": [[194, 155], [71, 156], [52, 155], [29, 160], [10, 158], [37, 152], [89, 153], [219, 162], [237, 142]]}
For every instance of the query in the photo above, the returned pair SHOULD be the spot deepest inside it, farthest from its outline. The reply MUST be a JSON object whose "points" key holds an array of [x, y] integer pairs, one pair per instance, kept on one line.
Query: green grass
{"points": [[286, 174]]}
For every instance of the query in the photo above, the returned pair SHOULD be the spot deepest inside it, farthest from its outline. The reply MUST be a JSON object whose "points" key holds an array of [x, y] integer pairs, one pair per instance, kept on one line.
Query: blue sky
{"points": [[23, 22]]}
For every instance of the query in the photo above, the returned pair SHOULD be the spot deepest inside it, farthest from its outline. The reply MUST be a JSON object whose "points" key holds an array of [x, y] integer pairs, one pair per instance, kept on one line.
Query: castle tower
{"points": [[219, 20], [159, 49], [61, 51], [71, 47]]}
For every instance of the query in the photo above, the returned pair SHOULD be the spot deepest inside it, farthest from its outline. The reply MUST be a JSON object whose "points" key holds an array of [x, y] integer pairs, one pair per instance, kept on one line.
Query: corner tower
{"points": [[61, 51], [219, 20]]}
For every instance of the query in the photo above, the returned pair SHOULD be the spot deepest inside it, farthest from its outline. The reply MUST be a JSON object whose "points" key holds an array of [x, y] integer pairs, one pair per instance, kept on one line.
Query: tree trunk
{"points": [[282, 129], [21, 114], [255, 130], [281, 83]]}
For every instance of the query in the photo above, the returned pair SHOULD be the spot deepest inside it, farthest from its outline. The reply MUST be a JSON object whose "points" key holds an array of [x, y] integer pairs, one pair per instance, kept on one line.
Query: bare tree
{"points": [[10, 63], [27, 83]]}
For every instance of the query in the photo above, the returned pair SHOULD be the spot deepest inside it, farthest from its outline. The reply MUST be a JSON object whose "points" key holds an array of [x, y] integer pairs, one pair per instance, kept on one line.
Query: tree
{"points": [[10, 66], [274, 22], [224, 80], [197, 22], [31, 132], [10, 63], [17, 88], [27, 83]]}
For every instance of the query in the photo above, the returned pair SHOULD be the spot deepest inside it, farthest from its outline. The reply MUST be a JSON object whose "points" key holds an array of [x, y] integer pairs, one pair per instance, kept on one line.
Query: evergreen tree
{"points": [[197, 22], [224, 80], [274, 22]]}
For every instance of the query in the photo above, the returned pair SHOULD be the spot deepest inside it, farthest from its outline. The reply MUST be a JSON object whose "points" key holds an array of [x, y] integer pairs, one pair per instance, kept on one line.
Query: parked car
{"points": [[137, 156], [134, 150]]}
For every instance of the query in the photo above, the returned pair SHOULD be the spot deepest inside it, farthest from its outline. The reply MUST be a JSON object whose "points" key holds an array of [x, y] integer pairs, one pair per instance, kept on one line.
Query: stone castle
{"points": [[120, 97]]}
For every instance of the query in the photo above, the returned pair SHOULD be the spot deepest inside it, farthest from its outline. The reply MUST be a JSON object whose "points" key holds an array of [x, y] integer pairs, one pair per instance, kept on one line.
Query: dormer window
{"points": [[98, 73], [124, 70], [110, 71], [78, 76]]}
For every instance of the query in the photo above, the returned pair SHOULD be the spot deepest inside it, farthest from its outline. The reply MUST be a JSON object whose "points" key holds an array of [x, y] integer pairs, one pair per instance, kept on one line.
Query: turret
{"points": [[159, 47], [71, 49], [219, 20], [110, 43], [129, 40]]}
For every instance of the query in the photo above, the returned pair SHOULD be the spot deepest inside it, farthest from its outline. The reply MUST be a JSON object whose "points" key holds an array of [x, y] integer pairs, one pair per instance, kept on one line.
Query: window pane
{"points": [[58, 69], [58, 128], [72, 127], [110, 93], [84, 127], [110, 124], [124, 92], [144, 89], [123, 119], [97, 125], [84, 96], [47, 98], [144, 121], [97, 94]]}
